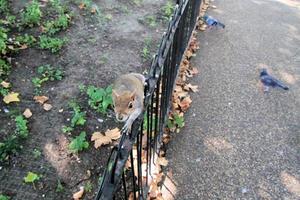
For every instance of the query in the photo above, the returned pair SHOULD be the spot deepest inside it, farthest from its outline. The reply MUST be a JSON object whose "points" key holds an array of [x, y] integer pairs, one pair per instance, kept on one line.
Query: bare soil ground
{"points": [[97, 52]]}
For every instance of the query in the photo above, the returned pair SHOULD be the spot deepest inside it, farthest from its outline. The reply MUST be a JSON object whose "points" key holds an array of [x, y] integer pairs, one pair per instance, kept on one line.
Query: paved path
{"points": [[239, 143]]}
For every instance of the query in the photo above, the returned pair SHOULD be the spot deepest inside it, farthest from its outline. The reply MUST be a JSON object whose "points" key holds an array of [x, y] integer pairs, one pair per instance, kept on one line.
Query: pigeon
{"points": [[268, 81], [211, 22]]}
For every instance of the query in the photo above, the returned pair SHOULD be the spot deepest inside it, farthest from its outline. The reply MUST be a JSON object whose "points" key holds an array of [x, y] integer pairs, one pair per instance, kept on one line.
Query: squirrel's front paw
{"points": [[126, 128]]}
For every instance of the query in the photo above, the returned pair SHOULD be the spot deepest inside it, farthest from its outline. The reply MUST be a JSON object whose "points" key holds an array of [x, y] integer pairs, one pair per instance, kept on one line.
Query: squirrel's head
{"points": [[123, 104]]}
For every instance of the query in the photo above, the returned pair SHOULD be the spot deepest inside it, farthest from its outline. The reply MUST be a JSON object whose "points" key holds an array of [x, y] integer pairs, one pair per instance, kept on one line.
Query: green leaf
{"points": [[79, 143], [179, 120], [4, 197], [31, 177]]}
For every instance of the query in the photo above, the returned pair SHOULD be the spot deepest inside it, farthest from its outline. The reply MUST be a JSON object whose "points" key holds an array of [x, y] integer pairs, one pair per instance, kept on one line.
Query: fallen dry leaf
{"points": [[27, 113], [100, 139], [81, 6], [11, 97], [93, 10], [40, 99], [189, 54], [162, 161], [185, 103], [79, 194], [5, 84], [113, 134], [193, 88], [47, 106], [24, 46]]}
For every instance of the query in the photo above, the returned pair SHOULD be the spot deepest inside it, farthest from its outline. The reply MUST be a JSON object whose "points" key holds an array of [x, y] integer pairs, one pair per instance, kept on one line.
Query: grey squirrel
{"points": [[128, 98]]}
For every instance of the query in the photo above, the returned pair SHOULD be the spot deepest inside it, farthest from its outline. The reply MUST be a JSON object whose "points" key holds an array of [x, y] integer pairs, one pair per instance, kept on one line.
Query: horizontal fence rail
{"points": [[139, 149]]}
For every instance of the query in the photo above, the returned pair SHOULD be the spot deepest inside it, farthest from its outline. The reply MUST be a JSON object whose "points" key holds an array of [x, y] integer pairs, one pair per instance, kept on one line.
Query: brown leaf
{"points": [[81, 6], [193, 88], [24, 46], [79, 194], [185, 103], [189, 54], [11, 97], [40, 99], [162, 161], [93, 10], [100, 139], [47, 106], [27, 113], [113, 134], [5, 84]]}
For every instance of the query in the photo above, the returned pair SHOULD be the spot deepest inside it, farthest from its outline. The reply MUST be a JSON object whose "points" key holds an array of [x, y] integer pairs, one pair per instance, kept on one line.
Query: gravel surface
{"points": [[239, 143]]}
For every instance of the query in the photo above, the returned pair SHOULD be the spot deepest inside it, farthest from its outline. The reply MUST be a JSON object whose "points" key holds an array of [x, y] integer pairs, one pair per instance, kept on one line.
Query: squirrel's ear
{"points": [[114, 93], [132, 95]]}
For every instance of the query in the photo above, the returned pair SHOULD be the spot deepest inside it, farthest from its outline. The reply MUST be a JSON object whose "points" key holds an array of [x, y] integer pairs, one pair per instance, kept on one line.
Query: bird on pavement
{"points": [[212, 22], [269, 81]]}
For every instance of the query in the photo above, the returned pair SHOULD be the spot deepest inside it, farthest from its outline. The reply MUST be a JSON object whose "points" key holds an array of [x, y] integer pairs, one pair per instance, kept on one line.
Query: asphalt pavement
{"points": [[238, 142]]}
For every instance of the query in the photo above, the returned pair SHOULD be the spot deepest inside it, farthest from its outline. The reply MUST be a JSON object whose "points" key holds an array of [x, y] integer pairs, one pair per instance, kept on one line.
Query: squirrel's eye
{"points": [[130, 105]]}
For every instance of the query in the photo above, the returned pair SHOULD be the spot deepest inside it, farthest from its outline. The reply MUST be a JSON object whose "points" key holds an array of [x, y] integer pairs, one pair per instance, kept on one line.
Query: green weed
{"points": [[99, 98], [59, 187], [67, 129], [47, 73], [3, 40], [88, 187], [79, 143], [12, 144], [4, 6], [4, 68], [36, 153], [32, 14], [52, 44], [78, 118], [32, 178], [176, 122], [168, 10], [151, 21], [61, 23], [4, 197], [29, 40], [146, 49]]}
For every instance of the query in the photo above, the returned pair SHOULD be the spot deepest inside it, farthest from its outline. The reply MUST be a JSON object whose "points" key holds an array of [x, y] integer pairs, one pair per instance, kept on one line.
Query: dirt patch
{"points": [[99, 48]]}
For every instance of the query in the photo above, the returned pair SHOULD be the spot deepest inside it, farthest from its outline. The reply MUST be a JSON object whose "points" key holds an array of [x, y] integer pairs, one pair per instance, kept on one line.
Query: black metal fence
{"points": [[145, 138]]}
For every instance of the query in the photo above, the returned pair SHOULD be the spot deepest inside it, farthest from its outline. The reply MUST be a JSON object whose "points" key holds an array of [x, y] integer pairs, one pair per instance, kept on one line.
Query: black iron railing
{"points": [[145, 138]]}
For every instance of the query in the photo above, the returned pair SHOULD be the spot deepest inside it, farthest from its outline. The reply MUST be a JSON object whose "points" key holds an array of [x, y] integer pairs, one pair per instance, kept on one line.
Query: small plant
{"points": [[4, 197], [4, 68], [176, 122], [4, 6], [47, 73], [67, 129], [146, 49], [88, 187], [168, 10], [32, 178], [21, 126], [32, 14], [52, 44], [12, 144], [79, 143], [78, 118], [36, 153], [151, 21], [59, 187], [57, 6], [100, 99], [3, 40], [61, 23], [29, 40]]}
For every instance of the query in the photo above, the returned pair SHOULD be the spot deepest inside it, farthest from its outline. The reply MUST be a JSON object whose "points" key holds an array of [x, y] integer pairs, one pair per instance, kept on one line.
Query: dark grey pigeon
{"points": [[269, 81]]}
